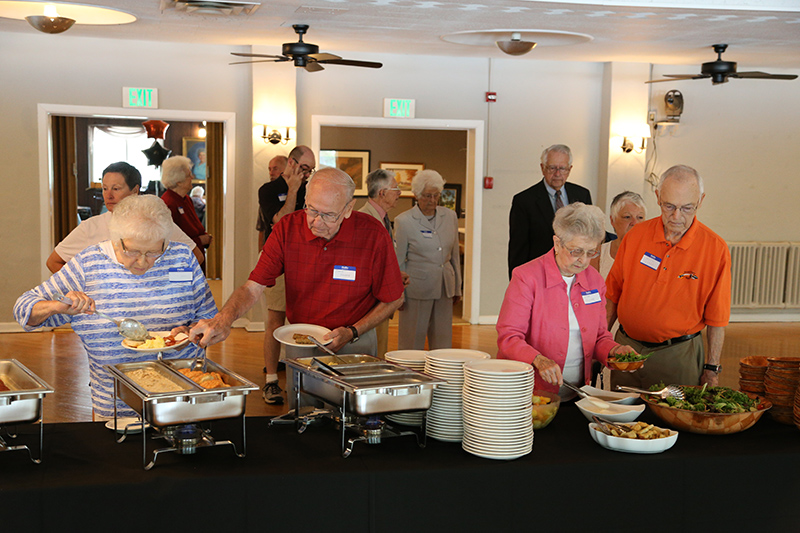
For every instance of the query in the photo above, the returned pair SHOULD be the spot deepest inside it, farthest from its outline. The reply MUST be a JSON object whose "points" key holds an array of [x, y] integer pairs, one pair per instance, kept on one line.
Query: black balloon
{"points": [[156, 154]]}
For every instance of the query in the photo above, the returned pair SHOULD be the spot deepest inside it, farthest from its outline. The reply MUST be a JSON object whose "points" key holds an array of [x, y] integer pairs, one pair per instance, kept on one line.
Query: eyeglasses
{"points": [[685, 209], [435, 196], [305, 169], [133, 254], [328, 218], [553, 170], [393, 189], [578, 252]]}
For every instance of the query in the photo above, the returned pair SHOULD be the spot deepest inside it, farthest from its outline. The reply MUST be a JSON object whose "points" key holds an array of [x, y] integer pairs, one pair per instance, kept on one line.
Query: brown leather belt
{"points": [[668, 342]]}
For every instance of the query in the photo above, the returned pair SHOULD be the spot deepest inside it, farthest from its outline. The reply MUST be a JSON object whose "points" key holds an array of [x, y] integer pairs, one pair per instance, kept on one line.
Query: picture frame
{"points": [[195, 149], [404, 173], [355, 163], [451, 197]]}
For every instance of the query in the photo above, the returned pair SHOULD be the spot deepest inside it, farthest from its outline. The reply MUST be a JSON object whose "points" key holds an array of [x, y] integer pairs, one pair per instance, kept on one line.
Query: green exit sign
{"points": [[398, 108], [139, 97]]}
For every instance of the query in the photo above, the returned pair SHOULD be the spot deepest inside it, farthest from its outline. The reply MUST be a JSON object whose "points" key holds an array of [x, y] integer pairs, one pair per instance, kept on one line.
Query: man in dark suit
{"points": [[532, 211]]}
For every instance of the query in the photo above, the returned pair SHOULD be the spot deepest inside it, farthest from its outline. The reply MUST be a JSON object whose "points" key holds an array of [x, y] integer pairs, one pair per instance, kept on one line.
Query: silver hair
{"points": [[424, 179], [197, 191], [378, 180], [559, 148], [173, 170], [145, 217], [580, 220], [336, 177], [680, 172], [623, 198]]}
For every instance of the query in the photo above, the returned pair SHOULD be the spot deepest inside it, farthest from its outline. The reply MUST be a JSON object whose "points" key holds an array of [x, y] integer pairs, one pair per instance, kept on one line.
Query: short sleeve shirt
{"points": [[271, 199]]}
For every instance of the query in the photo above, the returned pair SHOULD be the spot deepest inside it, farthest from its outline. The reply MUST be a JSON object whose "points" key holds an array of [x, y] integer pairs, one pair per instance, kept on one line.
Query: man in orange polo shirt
{"points": [[670, 279]]}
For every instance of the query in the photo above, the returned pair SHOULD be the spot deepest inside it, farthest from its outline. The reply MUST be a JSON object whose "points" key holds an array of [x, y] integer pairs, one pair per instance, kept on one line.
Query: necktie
{"points": [[559, 201], [387, 223]]}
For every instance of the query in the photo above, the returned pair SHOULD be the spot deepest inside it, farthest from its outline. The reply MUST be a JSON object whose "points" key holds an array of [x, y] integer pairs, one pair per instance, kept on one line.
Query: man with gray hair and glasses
{"points": [[530, 221], [670, 280]]}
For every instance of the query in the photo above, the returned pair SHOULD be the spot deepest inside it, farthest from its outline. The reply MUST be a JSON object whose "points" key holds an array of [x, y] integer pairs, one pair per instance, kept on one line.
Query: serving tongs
{"points": [[201, 362], [325, 349], [128, 327], [596, 401], [316, 364], [674, 391], [604, 424]]}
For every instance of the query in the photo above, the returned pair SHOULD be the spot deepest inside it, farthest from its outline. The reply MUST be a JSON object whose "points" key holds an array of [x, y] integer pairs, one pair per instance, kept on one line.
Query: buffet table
{"points": [[300, 482]]}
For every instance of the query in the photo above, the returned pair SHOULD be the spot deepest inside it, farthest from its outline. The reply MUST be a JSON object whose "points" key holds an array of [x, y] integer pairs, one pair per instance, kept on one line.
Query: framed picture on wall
{"points": [[404, 173], [195, 149], [355, 163], [451, 197]]}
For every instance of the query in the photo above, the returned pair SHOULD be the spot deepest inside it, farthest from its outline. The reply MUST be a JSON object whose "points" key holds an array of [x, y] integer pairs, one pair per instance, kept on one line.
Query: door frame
{"points": [[44, 112], [474, 203]]}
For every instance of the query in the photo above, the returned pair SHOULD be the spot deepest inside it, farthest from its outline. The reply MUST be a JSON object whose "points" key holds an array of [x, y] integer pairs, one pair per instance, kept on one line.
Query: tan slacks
{"points": [[426, 318]]}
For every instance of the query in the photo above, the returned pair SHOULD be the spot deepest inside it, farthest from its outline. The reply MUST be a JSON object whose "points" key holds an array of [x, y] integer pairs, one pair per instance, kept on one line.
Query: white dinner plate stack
{"points": [[497, 408], [444, 419], [415, 360]]}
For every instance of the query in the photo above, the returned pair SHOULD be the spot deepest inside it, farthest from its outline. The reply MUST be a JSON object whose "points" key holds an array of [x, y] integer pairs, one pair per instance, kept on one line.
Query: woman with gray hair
{"points": [[176, 176], [627, 210], [137, 274], [426, 241], [554, 314]]}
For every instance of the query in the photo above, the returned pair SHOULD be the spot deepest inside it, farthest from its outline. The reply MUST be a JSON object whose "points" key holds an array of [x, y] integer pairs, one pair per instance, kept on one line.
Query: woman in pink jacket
{"points": [[554, 311]]}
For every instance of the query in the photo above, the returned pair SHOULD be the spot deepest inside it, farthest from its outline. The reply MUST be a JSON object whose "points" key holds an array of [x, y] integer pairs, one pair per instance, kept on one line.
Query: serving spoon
{"points": [[128, 327], [597, 402]]}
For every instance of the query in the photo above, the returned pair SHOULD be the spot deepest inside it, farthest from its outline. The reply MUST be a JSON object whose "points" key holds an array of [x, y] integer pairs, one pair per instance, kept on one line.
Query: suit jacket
{"points": [[531, 222], [428, 252], [369, 209]]}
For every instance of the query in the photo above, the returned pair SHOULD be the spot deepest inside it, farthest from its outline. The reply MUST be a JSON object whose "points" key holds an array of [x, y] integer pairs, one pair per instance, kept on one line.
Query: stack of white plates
{"points": [[415, 360], [444, 420], [497, 408]]}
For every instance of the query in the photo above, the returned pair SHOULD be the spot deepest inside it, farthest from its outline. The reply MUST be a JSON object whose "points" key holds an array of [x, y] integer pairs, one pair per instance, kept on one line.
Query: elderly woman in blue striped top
{"points": [[137, 274]]}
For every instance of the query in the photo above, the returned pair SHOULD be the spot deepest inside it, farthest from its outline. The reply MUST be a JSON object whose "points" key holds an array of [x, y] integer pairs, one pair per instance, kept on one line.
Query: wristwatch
{"points": [[355, 333], [714, 368]]}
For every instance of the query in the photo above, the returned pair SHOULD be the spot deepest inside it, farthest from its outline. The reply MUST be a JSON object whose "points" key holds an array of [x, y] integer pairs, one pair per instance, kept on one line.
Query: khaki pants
{"points": [[426, 318], [678, 364]]}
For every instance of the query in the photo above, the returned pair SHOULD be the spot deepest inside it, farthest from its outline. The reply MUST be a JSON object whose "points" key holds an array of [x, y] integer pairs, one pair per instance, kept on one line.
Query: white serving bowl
{"points": [[621, 444], [627, 398], [615, 412]]}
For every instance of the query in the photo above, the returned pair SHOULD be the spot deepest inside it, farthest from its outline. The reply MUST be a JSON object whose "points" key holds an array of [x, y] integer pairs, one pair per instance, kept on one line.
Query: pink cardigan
{"points": [[534, 317]]}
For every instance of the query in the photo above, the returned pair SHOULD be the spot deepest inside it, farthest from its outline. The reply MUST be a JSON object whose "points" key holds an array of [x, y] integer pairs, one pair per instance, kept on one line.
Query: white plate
{"points": [[456, 355], [135, 426], [499, 367], [621, 444], [615, 412], [407, 356], [285, 334], [627, 398], [182, 338]]}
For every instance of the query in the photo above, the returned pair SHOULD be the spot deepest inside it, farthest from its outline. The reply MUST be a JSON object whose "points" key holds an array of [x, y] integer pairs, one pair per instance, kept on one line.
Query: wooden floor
{"points": [[58, 358]]}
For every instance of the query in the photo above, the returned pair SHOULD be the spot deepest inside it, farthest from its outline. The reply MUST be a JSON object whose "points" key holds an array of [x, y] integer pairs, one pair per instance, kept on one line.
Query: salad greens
{"points": [[709, 399], [631, 357]]}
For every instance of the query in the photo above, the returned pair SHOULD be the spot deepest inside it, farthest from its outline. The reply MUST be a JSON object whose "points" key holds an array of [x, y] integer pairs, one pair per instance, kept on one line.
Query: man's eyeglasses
{"points": [[578, 252], [685, 209], [393, 189], [133, 254], [328, 218], [305, 169], [553, 169]]}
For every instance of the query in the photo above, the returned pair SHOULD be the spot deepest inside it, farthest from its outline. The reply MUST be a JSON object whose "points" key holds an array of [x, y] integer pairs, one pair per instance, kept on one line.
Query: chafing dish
{"points": [[361, 385], [22, 403], [176, 415]]}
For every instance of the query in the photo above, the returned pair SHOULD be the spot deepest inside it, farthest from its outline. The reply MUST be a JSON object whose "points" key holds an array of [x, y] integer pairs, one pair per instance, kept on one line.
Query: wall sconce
{"points": [[643, 132], [275, 136], [50, 22]]}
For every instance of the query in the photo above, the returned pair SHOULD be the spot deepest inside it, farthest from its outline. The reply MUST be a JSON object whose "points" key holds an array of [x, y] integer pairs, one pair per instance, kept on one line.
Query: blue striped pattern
{"points": [[151, 299]]}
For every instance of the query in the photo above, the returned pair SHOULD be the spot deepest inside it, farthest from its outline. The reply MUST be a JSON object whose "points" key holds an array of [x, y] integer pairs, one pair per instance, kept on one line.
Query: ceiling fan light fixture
{"points": [[48, 24], [516, 46]]}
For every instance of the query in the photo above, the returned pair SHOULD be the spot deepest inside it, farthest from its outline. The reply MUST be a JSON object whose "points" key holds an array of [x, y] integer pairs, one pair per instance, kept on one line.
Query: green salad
{"points": [[709, 400], [631, 357]]}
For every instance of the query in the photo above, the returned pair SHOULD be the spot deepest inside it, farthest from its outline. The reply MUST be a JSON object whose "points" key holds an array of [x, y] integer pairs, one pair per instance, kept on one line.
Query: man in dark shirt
{"points": [[276, 199]]}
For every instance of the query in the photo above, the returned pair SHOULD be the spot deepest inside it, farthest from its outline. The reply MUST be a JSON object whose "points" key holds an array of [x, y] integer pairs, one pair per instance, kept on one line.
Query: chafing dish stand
{"points": [[21, 404]]}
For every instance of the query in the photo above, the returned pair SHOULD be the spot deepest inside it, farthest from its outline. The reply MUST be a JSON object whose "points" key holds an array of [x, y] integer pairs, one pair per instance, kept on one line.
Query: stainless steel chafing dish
{"points": [[22, 403], [177, 413], [364, 386]]}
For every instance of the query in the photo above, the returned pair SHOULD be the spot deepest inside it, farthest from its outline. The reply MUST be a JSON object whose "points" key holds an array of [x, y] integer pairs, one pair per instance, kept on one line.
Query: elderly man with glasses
{"points": [[340, 267], [532, 211], [672, 278]]}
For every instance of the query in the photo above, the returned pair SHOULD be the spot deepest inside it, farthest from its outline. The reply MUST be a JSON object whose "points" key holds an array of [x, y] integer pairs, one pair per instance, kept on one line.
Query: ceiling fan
{"points": [[306, 55], [719, 71]]}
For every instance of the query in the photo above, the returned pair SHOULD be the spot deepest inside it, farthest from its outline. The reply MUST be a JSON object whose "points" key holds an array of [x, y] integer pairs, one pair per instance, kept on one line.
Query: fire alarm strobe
{"points": [[491, 97]]}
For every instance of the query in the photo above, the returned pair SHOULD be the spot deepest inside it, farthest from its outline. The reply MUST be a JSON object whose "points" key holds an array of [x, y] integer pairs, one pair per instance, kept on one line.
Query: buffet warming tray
{"points": [[361, 386], [22, 403], [175, 415]]}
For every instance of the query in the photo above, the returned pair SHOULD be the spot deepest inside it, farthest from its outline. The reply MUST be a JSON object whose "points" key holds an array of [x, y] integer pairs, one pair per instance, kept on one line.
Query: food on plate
{"points": [[299, 338], [207, 380], [155, 342], [630, 357], [3, 386], [151, 380], [638, 430], [708, 399]]}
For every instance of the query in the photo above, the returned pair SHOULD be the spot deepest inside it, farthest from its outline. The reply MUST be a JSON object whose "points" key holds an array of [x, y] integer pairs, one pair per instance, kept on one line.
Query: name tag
{"points": [[650, 261], [345, 273], [590, 297], [427, 234], [282, 197], [180, 210], [180, 274]]}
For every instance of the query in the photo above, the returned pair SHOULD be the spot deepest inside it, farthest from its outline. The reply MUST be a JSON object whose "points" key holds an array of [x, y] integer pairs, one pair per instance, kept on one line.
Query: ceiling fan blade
{"points": [[678, 77], [257, 61], [764, 76], [352, 63], [323, 56], [240, 54], [313, 66]]}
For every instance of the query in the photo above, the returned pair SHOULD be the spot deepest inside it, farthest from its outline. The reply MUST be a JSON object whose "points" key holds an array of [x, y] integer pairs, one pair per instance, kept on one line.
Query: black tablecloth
{"points": [[300, 482]]}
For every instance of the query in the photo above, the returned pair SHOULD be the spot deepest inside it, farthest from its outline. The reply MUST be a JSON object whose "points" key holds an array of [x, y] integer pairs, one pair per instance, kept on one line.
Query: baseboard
{"points": [[765, 315], [487, 319], [255, 327], [10, 327]]}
